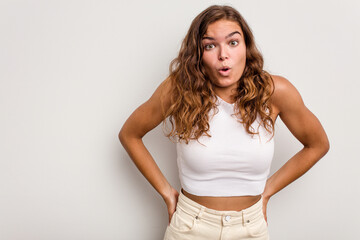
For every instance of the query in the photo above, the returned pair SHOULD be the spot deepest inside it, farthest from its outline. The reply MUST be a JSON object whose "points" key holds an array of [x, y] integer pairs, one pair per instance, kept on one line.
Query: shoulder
{"points": [[149, 114], [162, 95], [285, 97]]}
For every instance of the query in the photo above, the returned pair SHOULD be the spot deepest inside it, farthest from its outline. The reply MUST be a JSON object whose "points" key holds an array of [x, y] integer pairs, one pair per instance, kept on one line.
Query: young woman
{"points": [[222, 107]]}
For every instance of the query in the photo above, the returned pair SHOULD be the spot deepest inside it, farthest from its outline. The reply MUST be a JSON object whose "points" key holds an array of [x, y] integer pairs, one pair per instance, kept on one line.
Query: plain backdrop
{"points": [[71, 73]]}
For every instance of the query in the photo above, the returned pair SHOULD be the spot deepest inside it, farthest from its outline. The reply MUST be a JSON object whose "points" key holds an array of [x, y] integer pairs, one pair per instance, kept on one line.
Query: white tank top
{"points": [[231, 162]]}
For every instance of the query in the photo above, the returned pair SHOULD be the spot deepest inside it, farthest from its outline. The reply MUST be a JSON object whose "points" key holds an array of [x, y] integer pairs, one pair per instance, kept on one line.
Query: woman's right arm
{"points": [[145, 118]]}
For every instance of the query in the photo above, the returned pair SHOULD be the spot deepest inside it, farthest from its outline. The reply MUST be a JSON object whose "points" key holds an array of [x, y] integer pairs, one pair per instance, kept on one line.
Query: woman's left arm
{"points": [[304, 125]]}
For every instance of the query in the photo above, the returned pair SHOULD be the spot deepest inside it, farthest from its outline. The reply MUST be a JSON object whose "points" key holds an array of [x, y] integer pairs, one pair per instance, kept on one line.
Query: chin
{"points": [[224, 84]]}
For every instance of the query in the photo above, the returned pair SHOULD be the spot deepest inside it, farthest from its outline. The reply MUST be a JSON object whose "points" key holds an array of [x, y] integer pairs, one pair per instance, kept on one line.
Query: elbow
{"points": [[122, 136], [320, 147], [326, 146], [126, 135]]}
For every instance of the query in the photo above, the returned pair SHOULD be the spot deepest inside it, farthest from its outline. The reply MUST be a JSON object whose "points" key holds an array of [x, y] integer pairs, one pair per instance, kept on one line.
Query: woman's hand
{"points": [[265, 201], [171, 199]]}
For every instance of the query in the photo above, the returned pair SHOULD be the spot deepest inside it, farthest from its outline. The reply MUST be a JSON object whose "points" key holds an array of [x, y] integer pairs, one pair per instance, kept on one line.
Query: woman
{"points": [[222, 107]]}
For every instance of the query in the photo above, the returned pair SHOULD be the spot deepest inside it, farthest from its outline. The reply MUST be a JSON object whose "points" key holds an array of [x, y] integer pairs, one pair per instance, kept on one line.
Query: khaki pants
{"points": [[192, 221]]}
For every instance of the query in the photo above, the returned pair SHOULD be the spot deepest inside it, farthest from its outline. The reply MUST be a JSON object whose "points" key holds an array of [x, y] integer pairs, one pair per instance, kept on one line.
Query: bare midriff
{"points": [[236, 203]]}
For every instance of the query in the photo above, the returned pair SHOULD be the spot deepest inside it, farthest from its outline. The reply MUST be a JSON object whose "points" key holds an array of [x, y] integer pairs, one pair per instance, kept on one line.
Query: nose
{"points": [[223, 53]]}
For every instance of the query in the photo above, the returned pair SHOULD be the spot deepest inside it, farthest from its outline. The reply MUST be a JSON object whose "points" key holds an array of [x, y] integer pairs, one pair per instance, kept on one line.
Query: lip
{"points": [[222, 67], [224, 73]]}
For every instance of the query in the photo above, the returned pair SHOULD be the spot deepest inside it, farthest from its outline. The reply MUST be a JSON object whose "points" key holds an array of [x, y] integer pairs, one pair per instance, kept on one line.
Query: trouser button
{"points": [[227, 218]]}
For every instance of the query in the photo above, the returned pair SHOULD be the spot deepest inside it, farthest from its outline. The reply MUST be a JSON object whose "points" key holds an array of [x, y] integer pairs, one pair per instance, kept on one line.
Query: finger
{"points": [[170, 217], [265, 216], [266, 219], [264, 213]]}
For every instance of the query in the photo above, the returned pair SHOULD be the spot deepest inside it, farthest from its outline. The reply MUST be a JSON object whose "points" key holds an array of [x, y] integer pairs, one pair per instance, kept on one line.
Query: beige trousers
{"points": [[193, 221]]}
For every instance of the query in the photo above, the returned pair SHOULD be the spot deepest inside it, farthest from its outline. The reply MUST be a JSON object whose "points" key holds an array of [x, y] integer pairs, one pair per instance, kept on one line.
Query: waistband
{"points": [[199, 211]]}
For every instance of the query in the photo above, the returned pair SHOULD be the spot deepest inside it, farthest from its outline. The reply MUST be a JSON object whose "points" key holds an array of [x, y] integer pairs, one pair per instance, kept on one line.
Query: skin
{"points": [[286, 102], [224, 45]]}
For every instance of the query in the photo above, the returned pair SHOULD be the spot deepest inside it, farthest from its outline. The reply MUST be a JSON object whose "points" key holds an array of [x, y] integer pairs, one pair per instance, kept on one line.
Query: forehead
{"points": [[222, 27]]}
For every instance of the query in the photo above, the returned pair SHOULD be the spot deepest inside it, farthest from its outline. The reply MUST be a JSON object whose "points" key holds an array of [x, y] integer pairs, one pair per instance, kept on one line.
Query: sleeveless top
{"points": [[229, 163]]}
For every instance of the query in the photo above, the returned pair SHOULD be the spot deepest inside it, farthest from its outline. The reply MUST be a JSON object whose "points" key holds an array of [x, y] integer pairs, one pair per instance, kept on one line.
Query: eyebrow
{"points": [[211, 38]]}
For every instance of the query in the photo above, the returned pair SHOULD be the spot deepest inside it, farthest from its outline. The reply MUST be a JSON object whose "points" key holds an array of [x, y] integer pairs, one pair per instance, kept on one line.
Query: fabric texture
{"points": [[229, 163], [193, 221]]}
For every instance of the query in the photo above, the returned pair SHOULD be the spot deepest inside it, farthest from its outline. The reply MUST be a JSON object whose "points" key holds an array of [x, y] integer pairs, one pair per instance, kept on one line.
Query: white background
{"points": [[71, 73]]}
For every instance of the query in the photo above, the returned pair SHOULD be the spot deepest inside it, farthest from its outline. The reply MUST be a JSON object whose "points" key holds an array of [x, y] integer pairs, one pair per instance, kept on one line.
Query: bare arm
{"points": [[304, 125], [146, 117]]}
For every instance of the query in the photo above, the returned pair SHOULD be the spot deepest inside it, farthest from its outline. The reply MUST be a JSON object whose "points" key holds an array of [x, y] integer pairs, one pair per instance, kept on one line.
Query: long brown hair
{"points": [[192, 92]]}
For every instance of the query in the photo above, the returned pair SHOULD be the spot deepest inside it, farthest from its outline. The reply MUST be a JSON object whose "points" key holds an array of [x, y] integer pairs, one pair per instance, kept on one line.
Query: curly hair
{"points": [[192, 94]]}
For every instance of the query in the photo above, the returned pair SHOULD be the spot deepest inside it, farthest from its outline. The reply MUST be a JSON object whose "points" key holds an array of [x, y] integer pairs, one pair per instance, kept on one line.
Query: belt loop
{"points": [[243, 222], [202, 208]]}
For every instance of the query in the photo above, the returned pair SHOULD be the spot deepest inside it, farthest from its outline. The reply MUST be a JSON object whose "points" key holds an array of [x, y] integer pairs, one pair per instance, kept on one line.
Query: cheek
{"points": [[240, 55], [205, 59], [207, 62], [243, 55], [241, 61]]}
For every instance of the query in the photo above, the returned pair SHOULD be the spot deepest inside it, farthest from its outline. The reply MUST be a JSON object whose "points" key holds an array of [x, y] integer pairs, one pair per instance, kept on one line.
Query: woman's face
{"points": [[224, 55]]}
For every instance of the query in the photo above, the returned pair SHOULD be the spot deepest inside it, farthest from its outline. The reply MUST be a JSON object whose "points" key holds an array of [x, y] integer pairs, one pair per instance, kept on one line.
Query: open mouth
{"points": [[224, 70]]}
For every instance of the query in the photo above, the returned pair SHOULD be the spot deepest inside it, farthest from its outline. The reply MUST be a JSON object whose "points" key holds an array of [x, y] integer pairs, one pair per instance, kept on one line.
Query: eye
{"points": [[209, 46], [234, 42]]}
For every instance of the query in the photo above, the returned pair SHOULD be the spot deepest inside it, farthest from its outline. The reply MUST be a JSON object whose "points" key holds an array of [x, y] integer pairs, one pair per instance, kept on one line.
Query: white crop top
{"points": [[232, 162]]}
